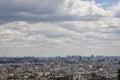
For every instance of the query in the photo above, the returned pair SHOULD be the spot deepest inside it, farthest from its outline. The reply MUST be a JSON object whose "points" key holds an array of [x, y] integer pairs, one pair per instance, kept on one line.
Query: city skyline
{"points": [[59, 27]]}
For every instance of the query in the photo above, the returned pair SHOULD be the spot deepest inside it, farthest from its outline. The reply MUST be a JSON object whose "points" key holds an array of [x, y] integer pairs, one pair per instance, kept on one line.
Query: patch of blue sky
{"points": [[107, 3]]}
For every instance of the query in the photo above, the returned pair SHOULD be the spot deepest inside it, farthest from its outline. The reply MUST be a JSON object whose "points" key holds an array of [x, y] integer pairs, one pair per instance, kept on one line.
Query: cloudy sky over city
{"points": [[59, 27]]}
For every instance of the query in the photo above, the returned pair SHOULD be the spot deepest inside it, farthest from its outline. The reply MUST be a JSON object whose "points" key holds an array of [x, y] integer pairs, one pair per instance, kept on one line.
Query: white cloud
{"points": [[71, 26], [115, 10], [63, 32], [83, 8]]}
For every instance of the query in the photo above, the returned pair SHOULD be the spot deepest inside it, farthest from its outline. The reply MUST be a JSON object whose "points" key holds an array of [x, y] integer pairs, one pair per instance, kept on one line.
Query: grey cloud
{"points": [[46, 18], [31, 6], [48, 11], [29, 10]]}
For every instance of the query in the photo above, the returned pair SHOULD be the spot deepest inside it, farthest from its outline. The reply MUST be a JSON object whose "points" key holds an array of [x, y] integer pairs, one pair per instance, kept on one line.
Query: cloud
{"points": [[54, 10], [41, 7], [62, 32], [69, 26], [60, 37], [65, 36], [116, 10], [83, 8]]}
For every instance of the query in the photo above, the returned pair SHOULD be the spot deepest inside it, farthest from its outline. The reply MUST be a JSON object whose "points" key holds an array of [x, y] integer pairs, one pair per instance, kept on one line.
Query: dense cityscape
{"points": [[59, 68], [59, 39]]}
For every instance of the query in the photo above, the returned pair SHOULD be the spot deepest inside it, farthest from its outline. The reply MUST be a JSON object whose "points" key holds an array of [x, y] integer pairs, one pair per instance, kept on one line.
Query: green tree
{"points": [[118, 76]]}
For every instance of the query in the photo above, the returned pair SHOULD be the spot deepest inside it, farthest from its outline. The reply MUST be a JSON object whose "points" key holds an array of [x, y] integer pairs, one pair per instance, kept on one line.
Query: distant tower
{"points": [[92, 56]]}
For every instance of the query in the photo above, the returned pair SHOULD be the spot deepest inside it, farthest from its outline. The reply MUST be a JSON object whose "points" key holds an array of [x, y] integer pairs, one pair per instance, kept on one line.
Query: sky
{"points": [[47, 28]]}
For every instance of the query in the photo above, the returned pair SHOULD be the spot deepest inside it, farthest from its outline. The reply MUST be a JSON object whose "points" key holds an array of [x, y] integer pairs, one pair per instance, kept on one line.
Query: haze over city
{"points": [[59, 27]]}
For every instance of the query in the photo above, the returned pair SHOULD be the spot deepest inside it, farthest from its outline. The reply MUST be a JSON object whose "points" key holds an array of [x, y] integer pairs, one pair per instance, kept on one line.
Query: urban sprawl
{"points": [[59, 68]]}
